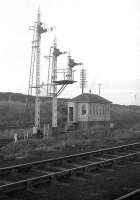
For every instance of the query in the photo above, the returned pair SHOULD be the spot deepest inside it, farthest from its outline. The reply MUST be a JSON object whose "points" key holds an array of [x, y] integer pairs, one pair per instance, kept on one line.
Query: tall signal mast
{"points": [[54, 81], [56, 53], [38, 29], [54, 78]]}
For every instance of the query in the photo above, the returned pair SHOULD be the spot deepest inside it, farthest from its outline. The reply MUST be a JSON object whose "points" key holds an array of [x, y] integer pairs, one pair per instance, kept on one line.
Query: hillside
{"points": [[14, 112], [125, 116]]}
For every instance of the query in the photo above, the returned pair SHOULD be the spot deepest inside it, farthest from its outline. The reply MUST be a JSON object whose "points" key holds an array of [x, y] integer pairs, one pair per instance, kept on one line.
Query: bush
{"points": [[21, 147]]}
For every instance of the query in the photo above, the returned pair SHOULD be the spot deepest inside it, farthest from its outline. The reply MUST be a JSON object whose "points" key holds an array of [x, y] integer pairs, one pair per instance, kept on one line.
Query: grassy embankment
{"points": [[92, 138]]}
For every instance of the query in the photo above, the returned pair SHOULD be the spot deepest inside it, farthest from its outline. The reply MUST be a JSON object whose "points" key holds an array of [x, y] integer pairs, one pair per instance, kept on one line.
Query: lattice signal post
{"points": [[56, 53], [38, 30], [53, 81]]}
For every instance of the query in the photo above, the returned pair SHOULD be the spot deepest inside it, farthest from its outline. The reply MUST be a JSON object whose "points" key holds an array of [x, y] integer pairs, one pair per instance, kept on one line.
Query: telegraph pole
{"points": [[135, 97], [99, 88], [83, 79]]}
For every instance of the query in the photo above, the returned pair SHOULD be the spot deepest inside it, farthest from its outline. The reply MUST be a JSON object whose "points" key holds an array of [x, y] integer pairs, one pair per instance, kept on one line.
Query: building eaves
{"points": [[86, 97]]}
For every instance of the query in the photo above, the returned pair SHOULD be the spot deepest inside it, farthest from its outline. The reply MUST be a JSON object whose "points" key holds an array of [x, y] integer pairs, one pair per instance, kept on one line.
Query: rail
{"points": [[134, 194], [90, 163]]}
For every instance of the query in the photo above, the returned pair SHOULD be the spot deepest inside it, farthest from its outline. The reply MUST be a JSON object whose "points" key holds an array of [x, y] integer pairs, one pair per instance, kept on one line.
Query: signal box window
{"points": [[94, 109], [83, 109]]}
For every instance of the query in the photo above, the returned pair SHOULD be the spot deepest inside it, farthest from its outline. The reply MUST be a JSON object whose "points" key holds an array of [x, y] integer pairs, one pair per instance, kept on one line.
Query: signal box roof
{"points": [[87, 97]]}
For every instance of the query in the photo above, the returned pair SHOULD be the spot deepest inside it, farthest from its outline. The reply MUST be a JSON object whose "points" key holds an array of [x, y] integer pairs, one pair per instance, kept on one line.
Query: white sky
{"points": [[103, 34]]}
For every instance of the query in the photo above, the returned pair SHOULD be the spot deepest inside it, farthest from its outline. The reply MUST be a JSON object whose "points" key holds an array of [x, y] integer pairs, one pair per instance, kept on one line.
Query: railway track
{"points": [[134, 195], [32, 175]]}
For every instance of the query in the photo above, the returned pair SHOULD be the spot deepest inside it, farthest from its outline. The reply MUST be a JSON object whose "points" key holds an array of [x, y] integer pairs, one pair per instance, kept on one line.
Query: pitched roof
{"points": [[87, 97]]}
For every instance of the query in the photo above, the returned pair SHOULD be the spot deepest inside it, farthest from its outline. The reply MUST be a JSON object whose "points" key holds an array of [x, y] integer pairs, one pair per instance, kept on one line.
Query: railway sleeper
{"points": [[46, 180], [58, 162], [129, 159], [131, 151], [97, 154], [14, 172], [39, 168], [12, 187], [90, 157], [137, 148], [107, 164], [79, 178], [92, 168], [115, 151], [78, 172], [123, 159], [71, 160], [111, 151], [107, 155], [133, 156], [63, 177], [5, 172], [118, 161], [23, 170], [102, 164], [85, 157], [41, 165], [87, 162], [123, 153]]}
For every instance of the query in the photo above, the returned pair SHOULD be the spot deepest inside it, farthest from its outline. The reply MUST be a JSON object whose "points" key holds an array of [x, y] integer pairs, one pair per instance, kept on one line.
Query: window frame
{"points": [[83, 111]]}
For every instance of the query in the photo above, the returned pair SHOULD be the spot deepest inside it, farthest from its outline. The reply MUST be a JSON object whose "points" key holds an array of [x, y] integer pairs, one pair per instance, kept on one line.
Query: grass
{"points": [[80, 139], [84, 139]]}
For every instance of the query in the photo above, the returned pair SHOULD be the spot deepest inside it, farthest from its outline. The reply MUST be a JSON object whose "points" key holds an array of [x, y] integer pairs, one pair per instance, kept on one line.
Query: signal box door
{"points": [[71, 113]]}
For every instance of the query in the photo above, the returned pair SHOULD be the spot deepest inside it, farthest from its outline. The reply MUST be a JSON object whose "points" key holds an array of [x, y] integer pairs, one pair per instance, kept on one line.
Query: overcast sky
{"points": [[103, 34]]}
